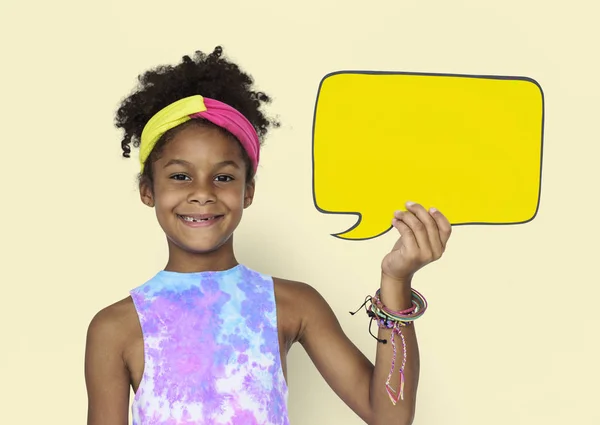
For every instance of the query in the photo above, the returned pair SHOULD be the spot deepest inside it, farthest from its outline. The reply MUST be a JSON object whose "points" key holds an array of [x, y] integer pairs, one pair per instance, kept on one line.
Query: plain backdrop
{"points": [[511, 335]]}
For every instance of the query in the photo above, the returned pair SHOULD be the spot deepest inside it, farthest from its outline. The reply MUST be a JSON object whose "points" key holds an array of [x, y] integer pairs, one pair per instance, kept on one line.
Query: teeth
{"points": [[196, 220]]}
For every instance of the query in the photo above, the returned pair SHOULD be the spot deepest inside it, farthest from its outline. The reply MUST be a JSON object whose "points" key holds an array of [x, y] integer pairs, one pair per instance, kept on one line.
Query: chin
{"points": [[202, 249], [198, 247]]}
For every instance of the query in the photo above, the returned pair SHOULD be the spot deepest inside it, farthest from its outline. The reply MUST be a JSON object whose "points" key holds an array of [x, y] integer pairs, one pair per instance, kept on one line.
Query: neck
{"points": [[182, 261]]}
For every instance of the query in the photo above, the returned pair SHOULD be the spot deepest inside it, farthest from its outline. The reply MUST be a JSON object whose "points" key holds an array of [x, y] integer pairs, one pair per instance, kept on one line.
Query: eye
{"points": [[223, 179], [179, 176]]}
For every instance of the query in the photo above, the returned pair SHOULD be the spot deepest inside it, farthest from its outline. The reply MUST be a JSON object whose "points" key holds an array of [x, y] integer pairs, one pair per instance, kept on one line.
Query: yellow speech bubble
{"points": [[470, 146]]}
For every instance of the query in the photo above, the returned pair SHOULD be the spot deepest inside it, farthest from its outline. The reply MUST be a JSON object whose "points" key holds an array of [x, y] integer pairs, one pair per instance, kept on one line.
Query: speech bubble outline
{"points": [[538, 165]]}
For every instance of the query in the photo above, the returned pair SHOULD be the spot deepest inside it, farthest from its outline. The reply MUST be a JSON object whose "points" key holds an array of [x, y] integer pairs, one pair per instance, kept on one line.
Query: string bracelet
{"points": [[394, 321], [416, 311]]}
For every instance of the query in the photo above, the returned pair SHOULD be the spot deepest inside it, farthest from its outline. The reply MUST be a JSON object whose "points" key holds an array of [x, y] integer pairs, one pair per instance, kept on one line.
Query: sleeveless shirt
{"points": [[211, 350]]}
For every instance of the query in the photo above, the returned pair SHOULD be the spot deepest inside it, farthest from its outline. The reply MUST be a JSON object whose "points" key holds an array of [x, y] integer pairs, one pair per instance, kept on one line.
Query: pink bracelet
{"points": [[381, 306], [394, 321]]}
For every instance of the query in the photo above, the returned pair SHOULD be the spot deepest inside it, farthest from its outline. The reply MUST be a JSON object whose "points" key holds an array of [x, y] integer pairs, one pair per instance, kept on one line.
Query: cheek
{"points": [[168, 199], [234, 198]]}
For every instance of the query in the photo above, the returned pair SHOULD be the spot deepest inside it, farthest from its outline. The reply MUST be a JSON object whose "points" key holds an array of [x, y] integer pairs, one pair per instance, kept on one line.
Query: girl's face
{"points": [[200, 190]]}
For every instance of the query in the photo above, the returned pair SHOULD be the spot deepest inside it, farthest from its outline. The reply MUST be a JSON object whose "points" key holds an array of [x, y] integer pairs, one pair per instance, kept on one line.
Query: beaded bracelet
{"points": [[394, 321]]}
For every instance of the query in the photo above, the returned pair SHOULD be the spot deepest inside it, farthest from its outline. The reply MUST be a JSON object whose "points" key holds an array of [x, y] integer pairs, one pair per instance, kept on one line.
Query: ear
{"points": [[249, 193], [146, 194]]}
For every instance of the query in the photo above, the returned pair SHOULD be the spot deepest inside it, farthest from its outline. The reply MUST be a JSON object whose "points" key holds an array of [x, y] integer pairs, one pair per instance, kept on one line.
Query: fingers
{"points": [[417, 227], [431, 230], [407, 235], [444, 226]]}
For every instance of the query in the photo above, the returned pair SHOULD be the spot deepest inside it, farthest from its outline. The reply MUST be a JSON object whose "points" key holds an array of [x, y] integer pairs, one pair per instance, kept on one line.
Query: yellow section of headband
{"points": [[167, 118]]}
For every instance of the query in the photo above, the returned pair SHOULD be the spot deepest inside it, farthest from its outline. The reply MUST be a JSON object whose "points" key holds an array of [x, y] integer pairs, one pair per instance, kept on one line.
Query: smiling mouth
{"points": [[199, 219]]}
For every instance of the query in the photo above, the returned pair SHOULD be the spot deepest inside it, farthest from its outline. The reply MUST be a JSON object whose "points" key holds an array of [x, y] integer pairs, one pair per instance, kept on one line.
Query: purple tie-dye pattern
{"points": [[211, 350]]}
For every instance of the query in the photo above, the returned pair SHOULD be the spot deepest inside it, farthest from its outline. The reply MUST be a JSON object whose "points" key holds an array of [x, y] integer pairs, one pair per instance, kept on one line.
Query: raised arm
{"points": [[106, 374], [359, 383], [350, 374]]}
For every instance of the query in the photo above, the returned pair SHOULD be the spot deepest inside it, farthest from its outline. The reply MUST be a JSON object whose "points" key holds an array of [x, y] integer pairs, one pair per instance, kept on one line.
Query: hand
{"points": [[423, 238]]}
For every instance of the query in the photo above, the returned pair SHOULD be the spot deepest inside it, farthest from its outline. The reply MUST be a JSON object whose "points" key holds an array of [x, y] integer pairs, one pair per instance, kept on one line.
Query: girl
{"points": [[205, 340]]}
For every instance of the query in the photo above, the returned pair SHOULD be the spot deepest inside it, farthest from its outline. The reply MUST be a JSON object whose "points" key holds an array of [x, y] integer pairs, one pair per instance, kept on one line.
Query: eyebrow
{"points": [[177, 162], [189, 164], [226, 163]]}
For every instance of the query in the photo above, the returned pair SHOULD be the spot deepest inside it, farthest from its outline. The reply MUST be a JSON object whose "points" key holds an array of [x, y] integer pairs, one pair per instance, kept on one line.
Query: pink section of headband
{"points": [[233, 121]]}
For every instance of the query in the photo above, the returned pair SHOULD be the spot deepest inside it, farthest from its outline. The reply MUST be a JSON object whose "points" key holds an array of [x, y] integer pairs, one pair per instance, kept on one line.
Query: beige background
{"points": [[510, 334]]}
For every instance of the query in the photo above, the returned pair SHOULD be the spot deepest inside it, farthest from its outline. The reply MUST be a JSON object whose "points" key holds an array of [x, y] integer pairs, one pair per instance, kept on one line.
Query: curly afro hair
{"points": [[210, 75]]}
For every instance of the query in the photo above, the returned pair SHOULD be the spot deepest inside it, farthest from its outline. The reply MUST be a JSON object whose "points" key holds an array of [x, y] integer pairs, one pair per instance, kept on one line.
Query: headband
{"points": [[211, 110]]}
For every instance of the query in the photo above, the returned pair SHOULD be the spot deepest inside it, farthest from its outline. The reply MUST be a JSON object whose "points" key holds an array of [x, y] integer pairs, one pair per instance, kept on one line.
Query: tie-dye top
{"points": [[211, 350]]}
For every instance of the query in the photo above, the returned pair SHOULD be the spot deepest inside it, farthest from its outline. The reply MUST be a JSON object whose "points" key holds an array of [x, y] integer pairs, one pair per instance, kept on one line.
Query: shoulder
{"points": [[303, 302], [106, 374], [298, 293], [113, 324], [293, 287]]}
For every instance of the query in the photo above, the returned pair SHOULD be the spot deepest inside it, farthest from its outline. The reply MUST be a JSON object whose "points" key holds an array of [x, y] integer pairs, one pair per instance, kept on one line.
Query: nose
{"points": [[202, 193]]}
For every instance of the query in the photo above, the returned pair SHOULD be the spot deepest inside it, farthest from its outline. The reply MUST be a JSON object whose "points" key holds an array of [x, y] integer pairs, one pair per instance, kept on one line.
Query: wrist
{"points": [[396, 293]]}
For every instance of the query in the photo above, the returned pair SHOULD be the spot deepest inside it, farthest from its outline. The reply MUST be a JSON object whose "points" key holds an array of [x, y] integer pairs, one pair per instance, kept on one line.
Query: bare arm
{"points": [[343, 366], [397, 298], [359, 383], [106, 374], [349, 373]]}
